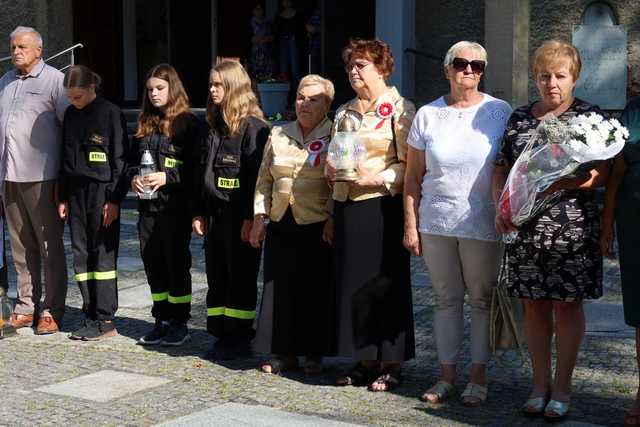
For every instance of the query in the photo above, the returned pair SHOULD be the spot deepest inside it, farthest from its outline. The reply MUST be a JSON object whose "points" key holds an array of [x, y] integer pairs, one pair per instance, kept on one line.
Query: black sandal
{"points": [[390, 380], [359, 375], [278, 364]]}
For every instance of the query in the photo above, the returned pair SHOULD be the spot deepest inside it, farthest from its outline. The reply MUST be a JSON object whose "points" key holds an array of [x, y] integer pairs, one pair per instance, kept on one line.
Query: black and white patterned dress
{"points": [[556, 255]]}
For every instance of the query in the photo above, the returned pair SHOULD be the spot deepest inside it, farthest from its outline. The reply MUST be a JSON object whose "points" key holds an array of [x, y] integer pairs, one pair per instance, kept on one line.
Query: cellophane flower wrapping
{"points": [[555, 151]]}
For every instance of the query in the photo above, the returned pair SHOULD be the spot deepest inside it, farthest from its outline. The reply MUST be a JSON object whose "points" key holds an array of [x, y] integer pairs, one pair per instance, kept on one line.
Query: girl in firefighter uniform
{"points": [[90, 189], [226, 172], [167, 131]]}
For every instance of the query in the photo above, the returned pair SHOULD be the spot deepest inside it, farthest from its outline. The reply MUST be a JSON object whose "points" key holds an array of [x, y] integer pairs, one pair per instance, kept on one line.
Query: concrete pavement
{"points": [[51, 380]]}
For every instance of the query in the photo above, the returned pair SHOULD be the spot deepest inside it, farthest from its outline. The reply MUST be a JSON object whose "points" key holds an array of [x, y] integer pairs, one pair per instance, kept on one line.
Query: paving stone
{"points": [[129, 263], [606, 318], [236, 414], [605, 379], [140, 295], [104, 386]]}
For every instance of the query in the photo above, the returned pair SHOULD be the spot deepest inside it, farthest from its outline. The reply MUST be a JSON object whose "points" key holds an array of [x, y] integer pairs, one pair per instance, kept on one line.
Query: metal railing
{"points": [[62, 52]]}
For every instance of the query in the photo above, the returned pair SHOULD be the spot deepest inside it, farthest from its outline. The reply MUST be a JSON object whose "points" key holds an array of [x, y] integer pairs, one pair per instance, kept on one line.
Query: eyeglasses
{"points": [[359, 66], [460, 64]]}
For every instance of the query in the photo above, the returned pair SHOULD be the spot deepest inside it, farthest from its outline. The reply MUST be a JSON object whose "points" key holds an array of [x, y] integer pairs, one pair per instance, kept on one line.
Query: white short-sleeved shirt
{"points": [[460, 146]]}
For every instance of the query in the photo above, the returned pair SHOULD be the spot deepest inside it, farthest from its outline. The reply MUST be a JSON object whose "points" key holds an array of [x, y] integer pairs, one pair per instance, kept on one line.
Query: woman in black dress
{"points": [[373, 283], [555, 261], [296, 315]]}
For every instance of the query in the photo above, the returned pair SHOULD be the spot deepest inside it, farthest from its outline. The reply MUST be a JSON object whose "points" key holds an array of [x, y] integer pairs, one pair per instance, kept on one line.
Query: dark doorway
{"points": [[151, 38], [98, 26], [169, 32], [343, 20], [190, 46], [234, 30]]}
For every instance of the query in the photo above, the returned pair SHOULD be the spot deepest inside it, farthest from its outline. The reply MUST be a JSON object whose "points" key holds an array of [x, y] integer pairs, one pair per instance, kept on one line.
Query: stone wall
{"points": [[555, 19], [438, 26], [52, 18]]}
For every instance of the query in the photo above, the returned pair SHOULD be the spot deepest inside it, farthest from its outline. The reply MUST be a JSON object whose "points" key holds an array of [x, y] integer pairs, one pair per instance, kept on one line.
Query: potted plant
{"points": [[273, 96]]}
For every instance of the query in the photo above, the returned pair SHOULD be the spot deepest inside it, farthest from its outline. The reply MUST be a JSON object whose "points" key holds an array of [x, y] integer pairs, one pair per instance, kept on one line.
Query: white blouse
{"points": [[460, 146]]}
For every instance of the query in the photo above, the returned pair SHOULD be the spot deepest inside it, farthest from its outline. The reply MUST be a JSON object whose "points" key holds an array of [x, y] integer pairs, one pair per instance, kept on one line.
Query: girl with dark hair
{"points": [[167, 132], [90, 189], [226, 173]]}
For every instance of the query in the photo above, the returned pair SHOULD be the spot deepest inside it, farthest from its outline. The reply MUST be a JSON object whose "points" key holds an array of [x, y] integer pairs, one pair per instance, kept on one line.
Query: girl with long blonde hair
{"points": [[225, 182], [168, 132]]}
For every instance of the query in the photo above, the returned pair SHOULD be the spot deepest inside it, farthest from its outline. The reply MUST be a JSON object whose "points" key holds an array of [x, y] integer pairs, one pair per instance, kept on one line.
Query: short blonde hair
{"points": [[314, 79], [554, 51]]}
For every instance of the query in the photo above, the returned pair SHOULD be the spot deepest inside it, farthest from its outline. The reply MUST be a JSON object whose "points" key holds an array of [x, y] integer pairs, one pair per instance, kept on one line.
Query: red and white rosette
{"points": [[315, 148], [384, 111]]}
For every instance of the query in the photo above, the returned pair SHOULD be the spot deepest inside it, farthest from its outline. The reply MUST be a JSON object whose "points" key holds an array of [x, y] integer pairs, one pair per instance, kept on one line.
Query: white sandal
{"points": [[441, 390], [477, 393], [556, 410], [534, 406]]}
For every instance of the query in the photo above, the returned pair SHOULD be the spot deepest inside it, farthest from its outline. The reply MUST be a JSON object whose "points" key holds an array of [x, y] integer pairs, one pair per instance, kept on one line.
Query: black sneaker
{"points": [[177, 335], [155, 336], [101, 330], [80, 333]]}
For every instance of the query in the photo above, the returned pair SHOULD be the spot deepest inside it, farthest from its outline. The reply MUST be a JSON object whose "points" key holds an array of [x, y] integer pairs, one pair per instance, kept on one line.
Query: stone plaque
{"points": [[603, 79]]}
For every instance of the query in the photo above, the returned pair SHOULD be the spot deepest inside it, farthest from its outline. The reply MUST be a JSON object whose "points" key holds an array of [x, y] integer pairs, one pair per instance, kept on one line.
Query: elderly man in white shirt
{"points": [[32, 105]]}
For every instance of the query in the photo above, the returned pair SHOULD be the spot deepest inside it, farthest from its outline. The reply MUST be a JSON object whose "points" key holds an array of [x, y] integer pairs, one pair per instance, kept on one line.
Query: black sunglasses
{"points": [[460, 64]]}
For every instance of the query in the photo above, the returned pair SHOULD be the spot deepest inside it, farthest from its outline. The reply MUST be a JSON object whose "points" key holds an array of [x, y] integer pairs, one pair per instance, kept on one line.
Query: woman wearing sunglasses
{"points": [[449, 212]]}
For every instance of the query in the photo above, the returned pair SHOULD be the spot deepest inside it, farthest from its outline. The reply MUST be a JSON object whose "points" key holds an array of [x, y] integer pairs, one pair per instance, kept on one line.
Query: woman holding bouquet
{"points": [[555, 261], [449, 213]]}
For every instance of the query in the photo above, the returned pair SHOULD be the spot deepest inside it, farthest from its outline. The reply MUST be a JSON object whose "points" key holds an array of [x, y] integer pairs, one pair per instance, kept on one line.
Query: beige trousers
{"points": [[35, 230], [458, 266]]}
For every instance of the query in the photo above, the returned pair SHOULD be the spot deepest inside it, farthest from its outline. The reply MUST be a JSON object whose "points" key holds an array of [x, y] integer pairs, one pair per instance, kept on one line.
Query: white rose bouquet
{"points": [[555, 151]]}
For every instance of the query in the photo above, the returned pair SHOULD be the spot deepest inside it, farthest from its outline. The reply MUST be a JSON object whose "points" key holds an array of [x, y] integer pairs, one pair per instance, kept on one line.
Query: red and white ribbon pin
{"points": [[384, 111], [315, 148]]}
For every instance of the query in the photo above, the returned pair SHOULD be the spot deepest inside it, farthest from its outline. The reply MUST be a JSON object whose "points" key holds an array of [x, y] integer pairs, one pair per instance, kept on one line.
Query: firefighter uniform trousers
{"points": [[164, 243], [232, 274], [95, 248]]}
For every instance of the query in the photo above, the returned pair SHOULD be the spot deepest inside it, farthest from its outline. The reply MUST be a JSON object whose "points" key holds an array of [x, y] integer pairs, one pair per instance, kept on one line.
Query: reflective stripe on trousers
{"points": [[231, 312], [96, 275], [164, 296]]}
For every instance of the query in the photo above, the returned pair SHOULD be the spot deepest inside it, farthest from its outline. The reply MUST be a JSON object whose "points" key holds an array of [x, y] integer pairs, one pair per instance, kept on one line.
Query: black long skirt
{"points": [[373, 281], [297, 311]]}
